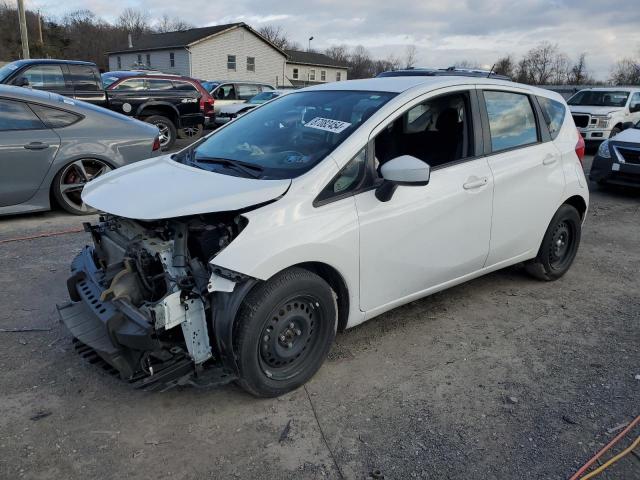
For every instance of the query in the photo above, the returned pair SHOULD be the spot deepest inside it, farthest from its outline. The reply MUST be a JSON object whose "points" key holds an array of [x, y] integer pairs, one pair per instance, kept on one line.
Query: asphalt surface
{"points": [[504, 377]]}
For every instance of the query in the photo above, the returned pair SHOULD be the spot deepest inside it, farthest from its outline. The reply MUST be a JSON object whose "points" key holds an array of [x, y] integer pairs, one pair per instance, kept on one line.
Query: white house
{"points": [[222, 52], [226, 52]]}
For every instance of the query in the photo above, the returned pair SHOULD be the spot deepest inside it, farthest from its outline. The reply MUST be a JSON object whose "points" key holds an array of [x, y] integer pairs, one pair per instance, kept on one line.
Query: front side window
{"points": [[323, 75], [172, 59], [553, 113], [438, 131], [17, 116], [55, 118], [512, 122], [84, 78], [231, 62], [288, 136], [132, 84], [312, 74], [599, 98], [295, 73], [251, 64], [225, 92], [47, 77], [159, 84], [634, 103]]}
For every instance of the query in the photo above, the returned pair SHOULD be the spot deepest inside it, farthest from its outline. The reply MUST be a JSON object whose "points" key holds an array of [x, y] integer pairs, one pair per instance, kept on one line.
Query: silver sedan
{"points": [[50, 146]]}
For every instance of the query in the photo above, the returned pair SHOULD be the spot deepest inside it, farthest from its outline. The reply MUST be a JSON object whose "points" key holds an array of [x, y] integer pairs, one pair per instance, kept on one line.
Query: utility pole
{"points": [[22, 19], [40, 28]]}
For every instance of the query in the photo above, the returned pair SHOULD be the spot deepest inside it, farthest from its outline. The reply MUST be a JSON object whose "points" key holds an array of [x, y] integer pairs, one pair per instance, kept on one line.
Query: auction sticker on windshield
{"points": [[328, 125]]}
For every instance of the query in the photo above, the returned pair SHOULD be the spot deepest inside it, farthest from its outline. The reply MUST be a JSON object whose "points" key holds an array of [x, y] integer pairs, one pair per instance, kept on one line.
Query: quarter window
{"points": [[553, 113], [251, 64], [347, 181], [17, 116], [511, 120], [184, 86], [54, 118], [172, 59], [295, 73], [231, 62], [48, 77]]}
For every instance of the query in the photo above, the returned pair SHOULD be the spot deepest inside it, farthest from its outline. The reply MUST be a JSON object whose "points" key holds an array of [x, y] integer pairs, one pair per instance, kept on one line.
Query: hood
{"points": [[161, 188], [593, 110], [236, 107], [630, 135]]}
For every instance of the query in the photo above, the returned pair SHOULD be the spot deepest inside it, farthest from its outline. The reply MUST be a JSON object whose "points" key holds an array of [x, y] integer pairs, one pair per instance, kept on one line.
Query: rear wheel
{"points": [[69, 182], [284, 331], [559, 245], [191, 133], [166, 128]]}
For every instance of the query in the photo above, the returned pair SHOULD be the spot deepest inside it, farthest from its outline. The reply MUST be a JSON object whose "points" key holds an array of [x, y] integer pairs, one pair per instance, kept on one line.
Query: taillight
{"points": [[206, 104], [156, 144], [580, 148]]}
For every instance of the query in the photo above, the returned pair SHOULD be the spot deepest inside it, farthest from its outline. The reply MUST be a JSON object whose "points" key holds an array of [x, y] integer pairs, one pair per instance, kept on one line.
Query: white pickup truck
{"points": [[599, 113]]}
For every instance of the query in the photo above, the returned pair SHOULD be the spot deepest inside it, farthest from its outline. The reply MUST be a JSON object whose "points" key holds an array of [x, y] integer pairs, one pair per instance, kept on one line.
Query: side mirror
{"points": [[22, 82], [626, 125], [403, 170], [634, 107]]}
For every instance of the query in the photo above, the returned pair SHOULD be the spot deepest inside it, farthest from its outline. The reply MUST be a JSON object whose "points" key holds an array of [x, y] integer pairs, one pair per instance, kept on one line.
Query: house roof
{"points": [[183, 38], [313, 58]]}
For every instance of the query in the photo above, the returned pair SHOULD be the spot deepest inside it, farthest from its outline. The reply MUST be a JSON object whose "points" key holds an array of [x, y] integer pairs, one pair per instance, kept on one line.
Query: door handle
{"points": [[476, 183], [36, 146], [549, 160]]}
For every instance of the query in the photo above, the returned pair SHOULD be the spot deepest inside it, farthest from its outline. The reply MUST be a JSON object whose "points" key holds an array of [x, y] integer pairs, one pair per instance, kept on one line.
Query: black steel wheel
{"points": [[284, 331], [70, 181], [559, 245], [191, 133]]}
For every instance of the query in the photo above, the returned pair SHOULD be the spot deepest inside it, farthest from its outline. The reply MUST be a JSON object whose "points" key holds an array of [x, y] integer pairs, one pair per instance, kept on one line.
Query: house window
{"points": [[231, 62], [140, 59], [172, 59], [338, 76], [119, 62], [323, 75], [148, 60], [295, 73], [251, 64], [312, 74]]}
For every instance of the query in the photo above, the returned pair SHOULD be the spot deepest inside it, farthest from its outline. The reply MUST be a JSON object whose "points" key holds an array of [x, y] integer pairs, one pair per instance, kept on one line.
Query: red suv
{"points": [[160, 82]]}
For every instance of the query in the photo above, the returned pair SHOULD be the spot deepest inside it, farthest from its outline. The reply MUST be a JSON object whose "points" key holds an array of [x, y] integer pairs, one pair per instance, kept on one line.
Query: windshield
{"points": [[286, 137], [598, 98], [262, 97], [7, 70], [108, 79]]}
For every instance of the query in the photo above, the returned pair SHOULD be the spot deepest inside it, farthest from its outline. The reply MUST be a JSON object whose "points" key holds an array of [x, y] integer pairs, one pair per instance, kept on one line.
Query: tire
{"points": [[614, 132], [167, 130], [191, 133], [559, 245], [284, 331], [70, 180]]}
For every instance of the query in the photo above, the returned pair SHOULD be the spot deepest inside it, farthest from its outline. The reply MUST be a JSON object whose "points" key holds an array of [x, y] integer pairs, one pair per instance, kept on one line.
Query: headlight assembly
{"points": [[603, 150]]}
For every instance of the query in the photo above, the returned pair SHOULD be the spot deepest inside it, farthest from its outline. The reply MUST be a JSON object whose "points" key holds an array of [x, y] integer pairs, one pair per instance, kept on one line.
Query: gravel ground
{"points": [[501, 378]]}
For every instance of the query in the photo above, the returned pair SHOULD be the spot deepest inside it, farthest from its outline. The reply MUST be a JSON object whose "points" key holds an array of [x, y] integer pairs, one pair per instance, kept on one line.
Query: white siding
{"points": [[304, 70], [209, 58], [160, 60]]}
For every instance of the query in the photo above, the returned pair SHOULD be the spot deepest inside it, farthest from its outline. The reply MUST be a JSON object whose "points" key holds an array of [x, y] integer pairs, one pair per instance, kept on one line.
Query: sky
{"points": [[444, 32]]}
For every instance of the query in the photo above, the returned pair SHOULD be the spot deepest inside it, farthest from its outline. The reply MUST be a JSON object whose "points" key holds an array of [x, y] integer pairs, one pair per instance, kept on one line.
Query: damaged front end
{"points": [[146, 299]]}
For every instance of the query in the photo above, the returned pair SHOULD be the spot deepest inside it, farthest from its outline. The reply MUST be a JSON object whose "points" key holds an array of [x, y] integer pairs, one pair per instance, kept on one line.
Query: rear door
{"points": [[527, 172], [87, 84], [27, 150]]}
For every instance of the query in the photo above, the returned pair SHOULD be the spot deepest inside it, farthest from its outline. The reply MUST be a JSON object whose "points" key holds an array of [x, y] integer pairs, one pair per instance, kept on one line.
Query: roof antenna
{"points": [[491, 71]]}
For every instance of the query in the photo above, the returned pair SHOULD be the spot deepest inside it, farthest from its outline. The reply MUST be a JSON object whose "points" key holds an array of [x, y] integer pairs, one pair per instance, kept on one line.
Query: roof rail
{"points": [[437, 72]]}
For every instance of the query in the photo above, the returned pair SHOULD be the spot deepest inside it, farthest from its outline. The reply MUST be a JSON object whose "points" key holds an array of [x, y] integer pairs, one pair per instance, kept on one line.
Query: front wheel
{"points": [[166, 128], [284, 331], [559, 245]]}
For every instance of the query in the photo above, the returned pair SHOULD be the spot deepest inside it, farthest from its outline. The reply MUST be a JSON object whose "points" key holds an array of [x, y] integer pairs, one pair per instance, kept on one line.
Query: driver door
{"points": [[425, 236]]}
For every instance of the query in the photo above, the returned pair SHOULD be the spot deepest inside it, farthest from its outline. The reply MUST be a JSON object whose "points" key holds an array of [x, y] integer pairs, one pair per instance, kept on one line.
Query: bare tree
{"points": [[505, 66], [541, 63], [339, 53], [561, 69], [360, 63], [133, 21], [278, 36], [579, 74], [168, 24], [410, 54], [626, 72], [466, 64]]}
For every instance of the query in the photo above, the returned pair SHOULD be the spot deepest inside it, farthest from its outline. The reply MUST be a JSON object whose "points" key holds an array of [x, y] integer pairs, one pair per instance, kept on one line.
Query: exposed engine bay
{"points": [[144, 296]]}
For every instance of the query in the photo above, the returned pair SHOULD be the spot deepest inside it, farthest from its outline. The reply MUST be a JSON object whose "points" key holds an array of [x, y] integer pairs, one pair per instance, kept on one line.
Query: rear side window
{"points": [[17, 116], [84, 78], [54, 118], [245, 92], [511, 120], [553, 113], [159, 84], [133, 84]]}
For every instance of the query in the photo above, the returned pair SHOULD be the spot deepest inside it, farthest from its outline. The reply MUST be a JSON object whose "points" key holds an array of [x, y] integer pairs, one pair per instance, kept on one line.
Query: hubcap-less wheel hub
{"points": [[560, 243], [288, 336]]}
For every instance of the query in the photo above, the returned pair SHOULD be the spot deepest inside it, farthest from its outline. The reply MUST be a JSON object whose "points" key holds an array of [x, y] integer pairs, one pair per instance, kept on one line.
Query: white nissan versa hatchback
{"points": [[240, 257]]}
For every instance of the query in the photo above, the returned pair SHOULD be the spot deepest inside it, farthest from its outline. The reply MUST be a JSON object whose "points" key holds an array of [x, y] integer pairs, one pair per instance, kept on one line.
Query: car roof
{"points": [[611, 89], [51, 60], [249, 82]]}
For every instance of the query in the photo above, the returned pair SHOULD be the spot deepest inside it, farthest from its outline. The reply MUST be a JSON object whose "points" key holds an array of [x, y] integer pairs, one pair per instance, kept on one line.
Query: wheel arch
{"points": [[162, 109], [579, 203]]}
